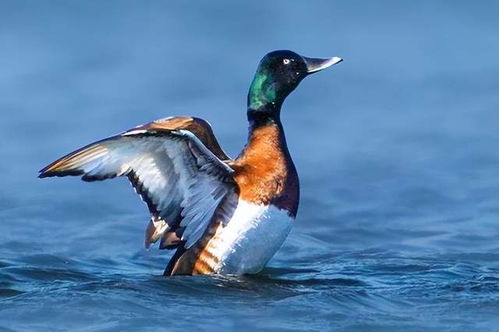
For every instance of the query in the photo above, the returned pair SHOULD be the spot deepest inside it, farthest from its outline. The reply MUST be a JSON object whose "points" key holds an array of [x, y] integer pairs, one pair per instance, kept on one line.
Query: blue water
{"points": [[397, 150]]}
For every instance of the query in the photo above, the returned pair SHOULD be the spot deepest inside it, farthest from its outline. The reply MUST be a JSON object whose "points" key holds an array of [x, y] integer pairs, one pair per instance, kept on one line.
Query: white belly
{"points": [[251, 238]]}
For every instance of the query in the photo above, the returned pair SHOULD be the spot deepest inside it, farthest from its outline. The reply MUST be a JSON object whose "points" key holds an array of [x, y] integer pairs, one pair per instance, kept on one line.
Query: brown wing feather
{"points": [[197, 126]]}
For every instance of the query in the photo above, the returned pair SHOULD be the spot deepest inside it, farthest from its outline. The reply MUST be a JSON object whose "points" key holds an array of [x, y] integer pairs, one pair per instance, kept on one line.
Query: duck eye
{"points": [[286, 61]]}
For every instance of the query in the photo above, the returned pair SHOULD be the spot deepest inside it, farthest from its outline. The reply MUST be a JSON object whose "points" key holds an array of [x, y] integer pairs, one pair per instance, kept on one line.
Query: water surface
{"points": [[396, 148]]}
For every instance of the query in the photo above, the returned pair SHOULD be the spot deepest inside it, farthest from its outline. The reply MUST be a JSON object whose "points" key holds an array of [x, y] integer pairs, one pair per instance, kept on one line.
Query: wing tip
{"points": [[49, 172], [42, 175]]}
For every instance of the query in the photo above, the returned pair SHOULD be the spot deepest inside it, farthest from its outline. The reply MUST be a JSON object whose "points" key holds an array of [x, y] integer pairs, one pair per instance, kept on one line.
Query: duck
{"points": [[221, 215]]}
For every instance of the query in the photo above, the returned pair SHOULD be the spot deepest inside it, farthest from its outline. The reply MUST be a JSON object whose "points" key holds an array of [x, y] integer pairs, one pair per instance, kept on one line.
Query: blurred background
{"points": [[396, 148]]}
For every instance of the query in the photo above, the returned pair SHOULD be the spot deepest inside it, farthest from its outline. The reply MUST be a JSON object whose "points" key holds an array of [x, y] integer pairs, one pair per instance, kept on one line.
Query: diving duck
{"points": [[222, 215]]}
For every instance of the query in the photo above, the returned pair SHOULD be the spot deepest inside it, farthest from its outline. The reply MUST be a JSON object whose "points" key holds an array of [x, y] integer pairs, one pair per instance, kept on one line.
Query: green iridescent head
{"points": [[278, 74]]}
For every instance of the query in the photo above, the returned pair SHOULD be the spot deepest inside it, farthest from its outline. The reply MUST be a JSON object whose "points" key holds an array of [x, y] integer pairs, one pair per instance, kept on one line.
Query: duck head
{"points": [[278, 74]]}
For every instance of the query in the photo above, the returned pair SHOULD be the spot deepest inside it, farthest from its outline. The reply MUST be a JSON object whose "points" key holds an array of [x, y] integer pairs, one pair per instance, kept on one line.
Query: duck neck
{"points": [[265, 132], [264, 101], [264, 117], [267, 114]]}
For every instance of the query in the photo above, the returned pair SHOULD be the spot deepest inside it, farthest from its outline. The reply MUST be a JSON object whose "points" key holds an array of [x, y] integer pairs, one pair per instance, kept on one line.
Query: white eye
{"points": [[286, 61]]}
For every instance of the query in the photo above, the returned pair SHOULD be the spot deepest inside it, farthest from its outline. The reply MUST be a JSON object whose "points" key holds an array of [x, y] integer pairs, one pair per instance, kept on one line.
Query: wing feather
{"points": [[176, 175]]}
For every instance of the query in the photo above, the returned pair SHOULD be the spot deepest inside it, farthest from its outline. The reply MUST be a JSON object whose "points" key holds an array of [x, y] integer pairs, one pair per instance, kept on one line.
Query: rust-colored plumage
{"points": [[197, 126], [198, 259], [265, 173]]}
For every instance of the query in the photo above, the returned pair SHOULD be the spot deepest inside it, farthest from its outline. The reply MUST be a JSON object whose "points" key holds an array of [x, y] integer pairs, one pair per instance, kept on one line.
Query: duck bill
{"points": [[314, 64]]}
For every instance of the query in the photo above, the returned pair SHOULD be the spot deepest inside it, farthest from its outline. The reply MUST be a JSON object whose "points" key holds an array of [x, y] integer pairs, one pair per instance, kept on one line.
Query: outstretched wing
{"points": [[182, 181]]}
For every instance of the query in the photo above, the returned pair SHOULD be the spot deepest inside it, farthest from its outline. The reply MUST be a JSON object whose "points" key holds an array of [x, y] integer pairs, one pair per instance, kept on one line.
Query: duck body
{"points": [[222, 215], [262, 216]]}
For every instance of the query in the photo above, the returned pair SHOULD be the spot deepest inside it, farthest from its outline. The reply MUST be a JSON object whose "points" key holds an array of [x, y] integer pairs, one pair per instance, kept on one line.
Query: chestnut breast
{"points": [[265, 173]]}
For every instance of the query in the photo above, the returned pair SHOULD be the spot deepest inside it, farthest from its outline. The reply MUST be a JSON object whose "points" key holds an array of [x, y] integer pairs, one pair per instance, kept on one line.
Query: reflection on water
{"points": [[396, 150]]}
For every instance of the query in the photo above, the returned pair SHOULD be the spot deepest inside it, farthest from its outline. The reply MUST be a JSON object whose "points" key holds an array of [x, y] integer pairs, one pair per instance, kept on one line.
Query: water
{"points": [[396, 148]]}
